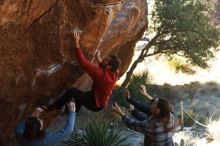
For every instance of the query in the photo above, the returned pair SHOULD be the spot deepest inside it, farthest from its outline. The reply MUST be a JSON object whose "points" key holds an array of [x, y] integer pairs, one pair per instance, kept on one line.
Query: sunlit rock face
{"points": [[36, 48], [216, 15]]}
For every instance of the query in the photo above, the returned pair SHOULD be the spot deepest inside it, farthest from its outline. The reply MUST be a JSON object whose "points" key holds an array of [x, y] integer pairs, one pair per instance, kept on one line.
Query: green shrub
{"points": [[98, 132], [118, 95], [135, 82]]}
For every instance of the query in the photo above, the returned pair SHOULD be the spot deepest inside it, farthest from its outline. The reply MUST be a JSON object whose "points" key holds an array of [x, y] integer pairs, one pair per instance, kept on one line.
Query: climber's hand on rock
{"points": [[37, 112], [71, 106], [76, 37]]}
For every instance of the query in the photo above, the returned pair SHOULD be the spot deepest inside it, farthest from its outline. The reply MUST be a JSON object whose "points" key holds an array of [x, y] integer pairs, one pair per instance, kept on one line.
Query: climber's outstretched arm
{"points": [[90, 68]]}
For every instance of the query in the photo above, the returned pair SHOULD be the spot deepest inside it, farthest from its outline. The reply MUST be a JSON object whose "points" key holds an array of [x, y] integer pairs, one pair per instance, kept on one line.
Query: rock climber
{"points": [[104, 78]]}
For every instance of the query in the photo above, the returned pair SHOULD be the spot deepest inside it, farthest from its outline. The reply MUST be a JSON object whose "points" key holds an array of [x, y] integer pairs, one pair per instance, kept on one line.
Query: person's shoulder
{"points": [[171, 115], [171, 119]]}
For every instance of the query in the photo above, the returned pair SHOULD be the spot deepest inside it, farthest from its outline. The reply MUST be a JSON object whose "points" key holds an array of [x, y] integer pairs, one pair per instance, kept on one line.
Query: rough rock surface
{"points": [[36, 49]]}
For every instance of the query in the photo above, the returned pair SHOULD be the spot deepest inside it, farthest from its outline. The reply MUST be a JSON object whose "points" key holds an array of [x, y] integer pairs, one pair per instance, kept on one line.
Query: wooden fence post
{"points": [[182, 114]]}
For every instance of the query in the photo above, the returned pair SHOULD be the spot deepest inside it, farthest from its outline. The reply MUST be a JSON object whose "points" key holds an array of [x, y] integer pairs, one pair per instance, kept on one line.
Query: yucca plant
{"points": [[136, 80], [118, 95], [180, 65], [98, 132]]}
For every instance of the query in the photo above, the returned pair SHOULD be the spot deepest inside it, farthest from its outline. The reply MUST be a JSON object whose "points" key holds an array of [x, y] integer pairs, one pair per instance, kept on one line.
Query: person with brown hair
{"points": [[158, 128], [104, 79], [30, 132]]}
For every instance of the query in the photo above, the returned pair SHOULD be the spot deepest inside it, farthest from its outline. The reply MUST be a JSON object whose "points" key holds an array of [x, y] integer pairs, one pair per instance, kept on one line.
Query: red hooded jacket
{"points": [[104, 80]]}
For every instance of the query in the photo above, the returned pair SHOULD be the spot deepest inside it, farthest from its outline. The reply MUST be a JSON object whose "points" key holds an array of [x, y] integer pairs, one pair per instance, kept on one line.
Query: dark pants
{"points": [[81, 99]]}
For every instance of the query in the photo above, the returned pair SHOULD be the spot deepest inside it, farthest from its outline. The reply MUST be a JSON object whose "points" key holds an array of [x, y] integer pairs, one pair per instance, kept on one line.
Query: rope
{"points": [[97, 48], [213, 115], [195, 120], [100, 41], [74, 62]]}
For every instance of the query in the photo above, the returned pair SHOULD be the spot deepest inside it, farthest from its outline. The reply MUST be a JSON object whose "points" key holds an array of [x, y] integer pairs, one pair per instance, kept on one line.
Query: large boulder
{"points": [[36, 48]]}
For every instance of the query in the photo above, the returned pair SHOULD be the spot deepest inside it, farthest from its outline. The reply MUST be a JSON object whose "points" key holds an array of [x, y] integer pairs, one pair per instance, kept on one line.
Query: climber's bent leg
{"points": [[88, 101], [81, 98], [70, 94]]}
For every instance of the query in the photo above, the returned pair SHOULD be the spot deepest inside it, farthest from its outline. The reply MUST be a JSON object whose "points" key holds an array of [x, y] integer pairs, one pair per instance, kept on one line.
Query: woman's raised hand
{"points": [[117, 109], [127, 94]]}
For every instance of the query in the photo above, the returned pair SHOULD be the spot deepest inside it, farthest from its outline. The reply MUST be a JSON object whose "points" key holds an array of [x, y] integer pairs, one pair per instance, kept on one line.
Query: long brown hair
{"points": [[165, 111], [114, 62], [32, 129]]}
